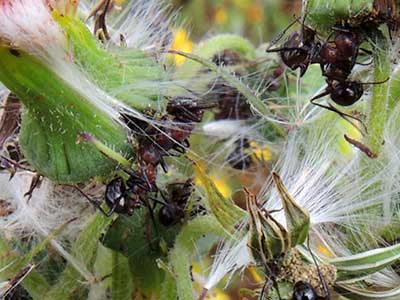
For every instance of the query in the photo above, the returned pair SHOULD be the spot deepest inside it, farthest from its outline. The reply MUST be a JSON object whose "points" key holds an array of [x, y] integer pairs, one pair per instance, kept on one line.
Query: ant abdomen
{"points": [[168, 215]]}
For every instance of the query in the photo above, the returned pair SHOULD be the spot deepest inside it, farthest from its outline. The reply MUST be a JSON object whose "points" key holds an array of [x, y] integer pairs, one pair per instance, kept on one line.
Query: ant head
{"points": [[295, 54], [346, 93], [304, 291], [168, 215]]}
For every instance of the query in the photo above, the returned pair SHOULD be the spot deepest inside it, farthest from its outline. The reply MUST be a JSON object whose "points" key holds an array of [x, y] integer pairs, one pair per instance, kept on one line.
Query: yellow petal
{"points": [[221, 16]]}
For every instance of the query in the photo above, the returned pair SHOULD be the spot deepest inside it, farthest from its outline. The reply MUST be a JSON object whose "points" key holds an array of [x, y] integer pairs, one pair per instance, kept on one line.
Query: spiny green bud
{"points": [[268, 240]]}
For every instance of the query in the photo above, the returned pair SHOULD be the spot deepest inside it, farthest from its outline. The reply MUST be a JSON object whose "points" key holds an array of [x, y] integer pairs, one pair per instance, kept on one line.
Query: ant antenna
{"points": [[93, 202], [280, 35], [376, 82], [321, 278], [345, 116]]}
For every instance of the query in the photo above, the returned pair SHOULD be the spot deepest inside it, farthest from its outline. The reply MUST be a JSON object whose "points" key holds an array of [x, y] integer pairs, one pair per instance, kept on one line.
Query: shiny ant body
{"points": [[154, 143], [174, 208], [238, 158], [124, 198], [300, 49], [304, 291], [337, 58]]}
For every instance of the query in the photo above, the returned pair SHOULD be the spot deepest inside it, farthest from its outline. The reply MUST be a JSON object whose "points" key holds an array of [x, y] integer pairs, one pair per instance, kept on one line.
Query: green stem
{"points": [[85, 248], [185, 245], [121, 277], [378, 110], [235, 82]]}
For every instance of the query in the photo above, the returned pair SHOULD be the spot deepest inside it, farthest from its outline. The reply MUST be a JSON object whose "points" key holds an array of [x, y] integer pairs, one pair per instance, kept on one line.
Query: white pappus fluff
{"points": [[29, 26], [333, 189], [51, 206]]}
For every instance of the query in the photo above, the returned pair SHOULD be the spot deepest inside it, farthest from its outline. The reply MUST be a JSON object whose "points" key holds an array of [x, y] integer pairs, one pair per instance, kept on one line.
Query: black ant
{"points": [[304, 291], [238, 158], [343, 93], [336, 57], [300, 48], [174, 208], [124, 198], [153, 144]]}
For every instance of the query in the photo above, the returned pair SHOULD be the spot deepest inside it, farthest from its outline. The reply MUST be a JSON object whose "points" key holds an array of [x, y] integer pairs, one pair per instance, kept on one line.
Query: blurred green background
{"points": [[258, 20]]}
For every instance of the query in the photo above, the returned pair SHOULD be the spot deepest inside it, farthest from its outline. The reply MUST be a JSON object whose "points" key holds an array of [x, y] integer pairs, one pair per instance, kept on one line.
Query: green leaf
{"points": [[137, 238], [364, 293], [83, 250], [327, 13], [111, 72], [185, 246], [122, 283], [297, 218], [55, 114], [224, 210], [365, 263]]}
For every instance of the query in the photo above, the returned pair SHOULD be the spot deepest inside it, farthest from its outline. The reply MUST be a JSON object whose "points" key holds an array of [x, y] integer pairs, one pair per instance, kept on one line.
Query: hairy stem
{"points": [[378, 106]]}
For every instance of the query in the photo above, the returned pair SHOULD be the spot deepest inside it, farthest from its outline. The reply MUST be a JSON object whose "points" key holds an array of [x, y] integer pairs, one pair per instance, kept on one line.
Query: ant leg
{"points": [[266, 286], [151, 212], [345, 116], [376, 82], [164, 166], [95, 203], [282, 33], [186, 143], [285, 49], [36, 180], [155, 200], [365, 64], [321, 278], [366, 51], [179, 149]]}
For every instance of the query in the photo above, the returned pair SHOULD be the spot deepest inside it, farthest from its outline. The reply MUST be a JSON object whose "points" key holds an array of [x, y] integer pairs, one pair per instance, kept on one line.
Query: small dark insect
{"points": [[304, 291], [227, 57], [231, 103], [300, 49], [174, 208], [239, 158], [116, 197], [15, 52], [344, 93]]}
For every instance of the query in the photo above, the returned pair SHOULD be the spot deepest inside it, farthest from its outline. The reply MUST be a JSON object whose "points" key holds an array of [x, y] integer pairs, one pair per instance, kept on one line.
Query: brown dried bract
{"points": [[5, 208], [10, 118], [363, 148]]}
